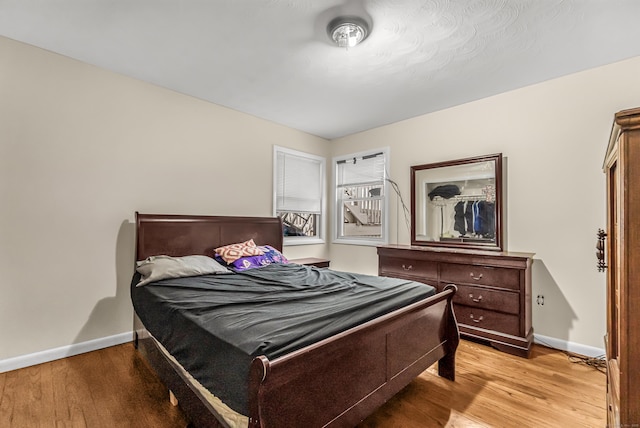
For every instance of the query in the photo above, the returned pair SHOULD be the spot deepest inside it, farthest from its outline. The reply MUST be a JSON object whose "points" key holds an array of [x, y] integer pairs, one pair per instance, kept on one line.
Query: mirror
{"points": [[458, 203]]}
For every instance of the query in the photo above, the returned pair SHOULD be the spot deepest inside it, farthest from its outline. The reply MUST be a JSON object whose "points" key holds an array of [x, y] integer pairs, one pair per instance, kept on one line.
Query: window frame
{"points": [[336, 212], [319, 238]]}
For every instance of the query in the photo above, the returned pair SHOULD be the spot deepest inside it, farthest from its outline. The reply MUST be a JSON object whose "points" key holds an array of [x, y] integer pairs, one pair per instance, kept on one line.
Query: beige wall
{"points": [[82, 149], [553, 136]]}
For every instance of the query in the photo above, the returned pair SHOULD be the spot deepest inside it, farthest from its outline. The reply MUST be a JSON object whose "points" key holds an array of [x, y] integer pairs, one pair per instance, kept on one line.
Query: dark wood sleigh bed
{"points": [[337, 381]]}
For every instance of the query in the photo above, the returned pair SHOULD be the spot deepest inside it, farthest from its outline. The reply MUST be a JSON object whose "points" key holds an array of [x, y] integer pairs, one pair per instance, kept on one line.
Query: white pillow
{"points": [[155, 268]]}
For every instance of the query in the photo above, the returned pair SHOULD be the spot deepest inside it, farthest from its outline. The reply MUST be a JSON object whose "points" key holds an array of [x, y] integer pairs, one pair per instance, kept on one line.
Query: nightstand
{"points": [[312, 261]]}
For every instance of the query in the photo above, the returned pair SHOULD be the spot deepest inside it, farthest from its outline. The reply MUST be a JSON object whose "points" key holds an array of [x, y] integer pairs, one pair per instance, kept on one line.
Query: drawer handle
{"points": [[476, 319], [477, 278], [410, 267], [475, 300]]}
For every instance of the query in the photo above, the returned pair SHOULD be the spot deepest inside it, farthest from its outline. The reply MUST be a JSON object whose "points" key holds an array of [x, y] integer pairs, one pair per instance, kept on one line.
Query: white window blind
{"points": [[363, 171], [298, 183]]}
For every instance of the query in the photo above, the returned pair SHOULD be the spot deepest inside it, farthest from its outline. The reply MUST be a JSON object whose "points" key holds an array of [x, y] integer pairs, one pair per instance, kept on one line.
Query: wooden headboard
{"points": [[183, 235]]}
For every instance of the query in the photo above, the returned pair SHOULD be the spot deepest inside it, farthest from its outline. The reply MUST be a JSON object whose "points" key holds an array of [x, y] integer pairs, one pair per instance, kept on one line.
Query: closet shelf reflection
{"points": [[439, 200]]}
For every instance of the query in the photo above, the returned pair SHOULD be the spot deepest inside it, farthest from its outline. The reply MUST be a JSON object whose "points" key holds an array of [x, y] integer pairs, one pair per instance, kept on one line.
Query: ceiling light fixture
{"points": [[348, 31]]}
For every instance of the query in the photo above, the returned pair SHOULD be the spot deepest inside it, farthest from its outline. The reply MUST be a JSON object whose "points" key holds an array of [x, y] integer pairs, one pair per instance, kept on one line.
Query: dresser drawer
{"points": [[484, 275], [483, 298], [489, 320], [402, 267]]}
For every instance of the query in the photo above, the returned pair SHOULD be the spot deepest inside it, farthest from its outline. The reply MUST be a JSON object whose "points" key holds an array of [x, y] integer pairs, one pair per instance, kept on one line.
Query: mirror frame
{"points": [[497, 243]]}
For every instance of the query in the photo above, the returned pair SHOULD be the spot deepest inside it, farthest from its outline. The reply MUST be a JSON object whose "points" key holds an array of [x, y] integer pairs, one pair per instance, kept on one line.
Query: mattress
{"points": [[215, 325]]}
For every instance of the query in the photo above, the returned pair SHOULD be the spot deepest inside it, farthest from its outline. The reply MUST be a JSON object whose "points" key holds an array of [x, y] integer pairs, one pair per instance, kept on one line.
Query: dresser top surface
{"points": [[447, 250]]}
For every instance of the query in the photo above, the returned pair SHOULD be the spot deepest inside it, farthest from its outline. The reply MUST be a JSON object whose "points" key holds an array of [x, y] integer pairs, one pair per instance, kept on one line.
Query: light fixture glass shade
{"points": [[347, 32]]}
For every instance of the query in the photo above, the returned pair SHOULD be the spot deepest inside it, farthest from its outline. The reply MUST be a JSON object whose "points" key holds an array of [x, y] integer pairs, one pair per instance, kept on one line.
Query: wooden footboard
{"points": [[341, 380]]}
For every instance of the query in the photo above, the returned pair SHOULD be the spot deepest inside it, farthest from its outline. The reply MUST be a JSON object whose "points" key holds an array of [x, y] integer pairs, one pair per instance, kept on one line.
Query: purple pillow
{"points": [[270, 256]]}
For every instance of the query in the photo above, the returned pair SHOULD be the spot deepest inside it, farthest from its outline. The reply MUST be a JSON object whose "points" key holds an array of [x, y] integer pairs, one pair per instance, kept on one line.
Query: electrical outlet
{"points": [[540, 300]]}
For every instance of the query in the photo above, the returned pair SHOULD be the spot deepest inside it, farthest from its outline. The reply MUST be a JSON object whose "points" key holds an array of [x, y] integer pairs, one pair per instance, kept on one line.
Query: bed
{"points": [[332, 380]]}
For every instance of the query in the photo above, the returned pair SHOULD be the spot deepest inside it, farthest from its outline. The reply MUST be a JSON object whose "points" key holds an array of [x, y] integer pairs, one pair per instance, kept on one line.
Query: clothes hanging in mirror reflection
{"points": [[475, 218]]}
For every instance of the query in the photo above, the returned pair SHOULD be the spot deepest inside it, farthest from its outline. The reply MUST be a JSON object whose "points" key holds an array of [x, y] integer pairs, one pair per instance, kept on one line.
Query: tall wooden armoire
{"points": [[622, 258]]}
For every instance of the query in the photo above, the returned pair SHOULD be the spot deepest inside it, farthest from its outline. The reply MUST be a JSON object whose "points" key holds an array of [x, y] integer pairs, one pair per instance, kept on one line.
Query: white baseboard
{"points": [[63, 352], [576, 348], [104, 342]]}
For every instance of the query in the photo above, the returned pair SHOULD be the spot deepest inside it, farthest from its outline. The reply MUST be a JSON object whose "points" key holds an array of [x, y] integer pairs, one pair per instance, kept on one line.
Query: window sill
{"points": [[289, 242], [363, 242]]}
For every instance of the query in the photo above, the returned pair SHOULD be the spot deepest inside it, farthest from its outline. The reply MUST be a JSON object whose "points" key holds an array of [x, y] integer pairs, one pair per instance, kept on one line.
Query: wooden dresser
{"points": [[493, 301], [622, 261]]}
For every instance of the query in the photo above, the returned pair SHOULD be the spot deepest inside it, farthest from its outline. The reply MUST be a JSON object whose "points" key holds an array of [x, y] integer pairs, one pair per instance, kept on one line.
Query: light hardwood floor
{"points": [[113, 387]]}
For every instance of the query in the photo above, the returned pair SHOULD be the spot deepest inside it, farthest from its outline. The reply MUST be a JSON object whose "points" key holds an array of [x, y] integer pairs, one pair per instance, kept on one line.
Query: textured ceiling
{"points": [[273, 58]]}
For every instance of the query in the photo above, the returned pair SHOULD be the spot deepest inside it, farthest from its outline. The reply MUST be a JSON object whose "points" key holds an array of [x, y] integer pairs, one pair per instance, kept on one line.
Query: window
{"points": [[361, 204], [299, 195]]}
